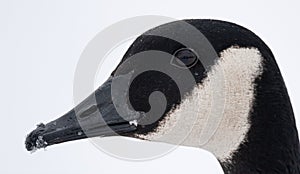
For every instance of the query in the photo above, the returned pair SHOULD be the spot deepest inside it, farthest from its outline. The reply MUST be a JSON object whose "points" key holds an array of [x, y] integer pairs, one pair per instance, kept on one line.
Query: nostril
{"points": [[88, 112]]}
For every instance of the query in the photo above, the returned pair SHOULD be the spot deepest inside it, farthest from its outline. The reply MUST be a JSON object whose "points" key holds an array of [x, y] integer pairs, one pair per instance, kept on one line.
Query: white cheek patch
{"points": [[188, 123]]}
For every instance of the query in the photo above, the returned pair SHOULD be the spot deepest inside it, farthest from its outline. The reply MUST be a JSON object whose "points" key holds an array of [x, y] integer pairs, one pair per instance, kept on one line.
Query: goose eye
{"points": [[185, 58]]}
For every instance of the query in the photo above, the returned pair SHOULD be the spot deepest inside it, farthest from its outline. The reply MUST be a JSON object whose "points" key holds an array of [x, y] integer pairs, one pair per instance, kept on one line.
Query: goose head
{"points": [[222, 92]]}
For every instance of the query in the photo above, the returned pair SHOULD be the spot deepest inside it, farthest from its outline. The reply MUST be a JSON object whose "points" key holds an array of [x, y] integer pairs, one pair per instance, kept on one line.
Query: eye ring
{"points": [[184, 58]]}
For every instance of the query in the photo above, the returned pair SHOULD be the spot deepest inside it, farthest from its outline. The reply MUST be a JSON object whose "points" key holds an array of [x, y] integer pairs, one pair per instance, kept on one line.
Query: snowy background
{"points": [[41, 42]]}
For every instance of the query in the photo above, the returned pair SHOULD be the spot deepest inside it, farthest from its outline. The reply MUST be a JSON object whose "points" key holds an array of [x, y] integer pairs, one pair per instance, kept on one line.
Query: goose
{"points": [[220, 90]]}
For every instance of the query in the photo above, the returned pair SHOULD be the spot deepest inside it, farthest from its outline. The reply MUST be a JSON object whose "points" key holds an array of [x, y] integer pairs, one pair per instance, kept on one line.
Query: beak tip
{"points": [[34, 140], [29, 145]]}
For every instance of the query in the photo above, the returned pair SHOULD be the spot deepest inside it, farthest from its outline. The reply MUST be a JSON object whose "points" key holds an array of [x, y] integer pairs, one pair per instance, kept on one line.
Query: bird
{"points": [[214, 85]]}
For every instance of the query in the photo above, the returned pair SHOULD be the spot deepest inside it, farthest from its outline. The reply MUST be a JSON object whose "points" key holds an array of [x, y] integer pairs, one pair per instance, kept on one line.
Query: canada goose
{"points": [[257, 132]]}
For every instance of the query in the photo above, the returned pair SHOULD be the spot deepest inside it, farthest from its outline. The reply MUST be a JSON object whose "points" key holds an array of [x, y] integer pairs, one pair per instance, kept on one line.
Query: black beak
{"points": [[95, 116]]}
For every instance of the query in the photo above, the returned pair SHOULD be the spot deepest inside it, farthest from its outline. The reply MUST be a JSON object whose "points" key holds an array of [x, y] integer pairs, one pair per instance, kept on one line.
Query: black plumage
{"points": [[271, 145]]}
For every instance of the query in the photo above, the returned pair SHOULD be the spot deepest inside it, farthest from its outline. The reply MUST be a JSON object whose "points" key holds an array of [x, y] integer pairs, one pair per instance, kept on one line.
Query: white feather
{"points": [[191, 123]]}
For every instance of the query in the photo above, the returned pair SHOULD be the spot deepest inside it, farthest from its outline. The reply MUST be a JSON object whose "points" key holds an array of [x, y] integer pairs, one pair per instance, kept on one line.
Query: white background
{"points": [[41, 42]]}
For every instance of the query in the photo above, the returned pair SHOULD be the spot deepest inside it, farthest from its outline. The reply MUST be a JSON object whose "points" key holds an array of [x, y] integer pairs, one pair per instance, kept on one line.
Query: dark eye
{"points": [[185, 57]]}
